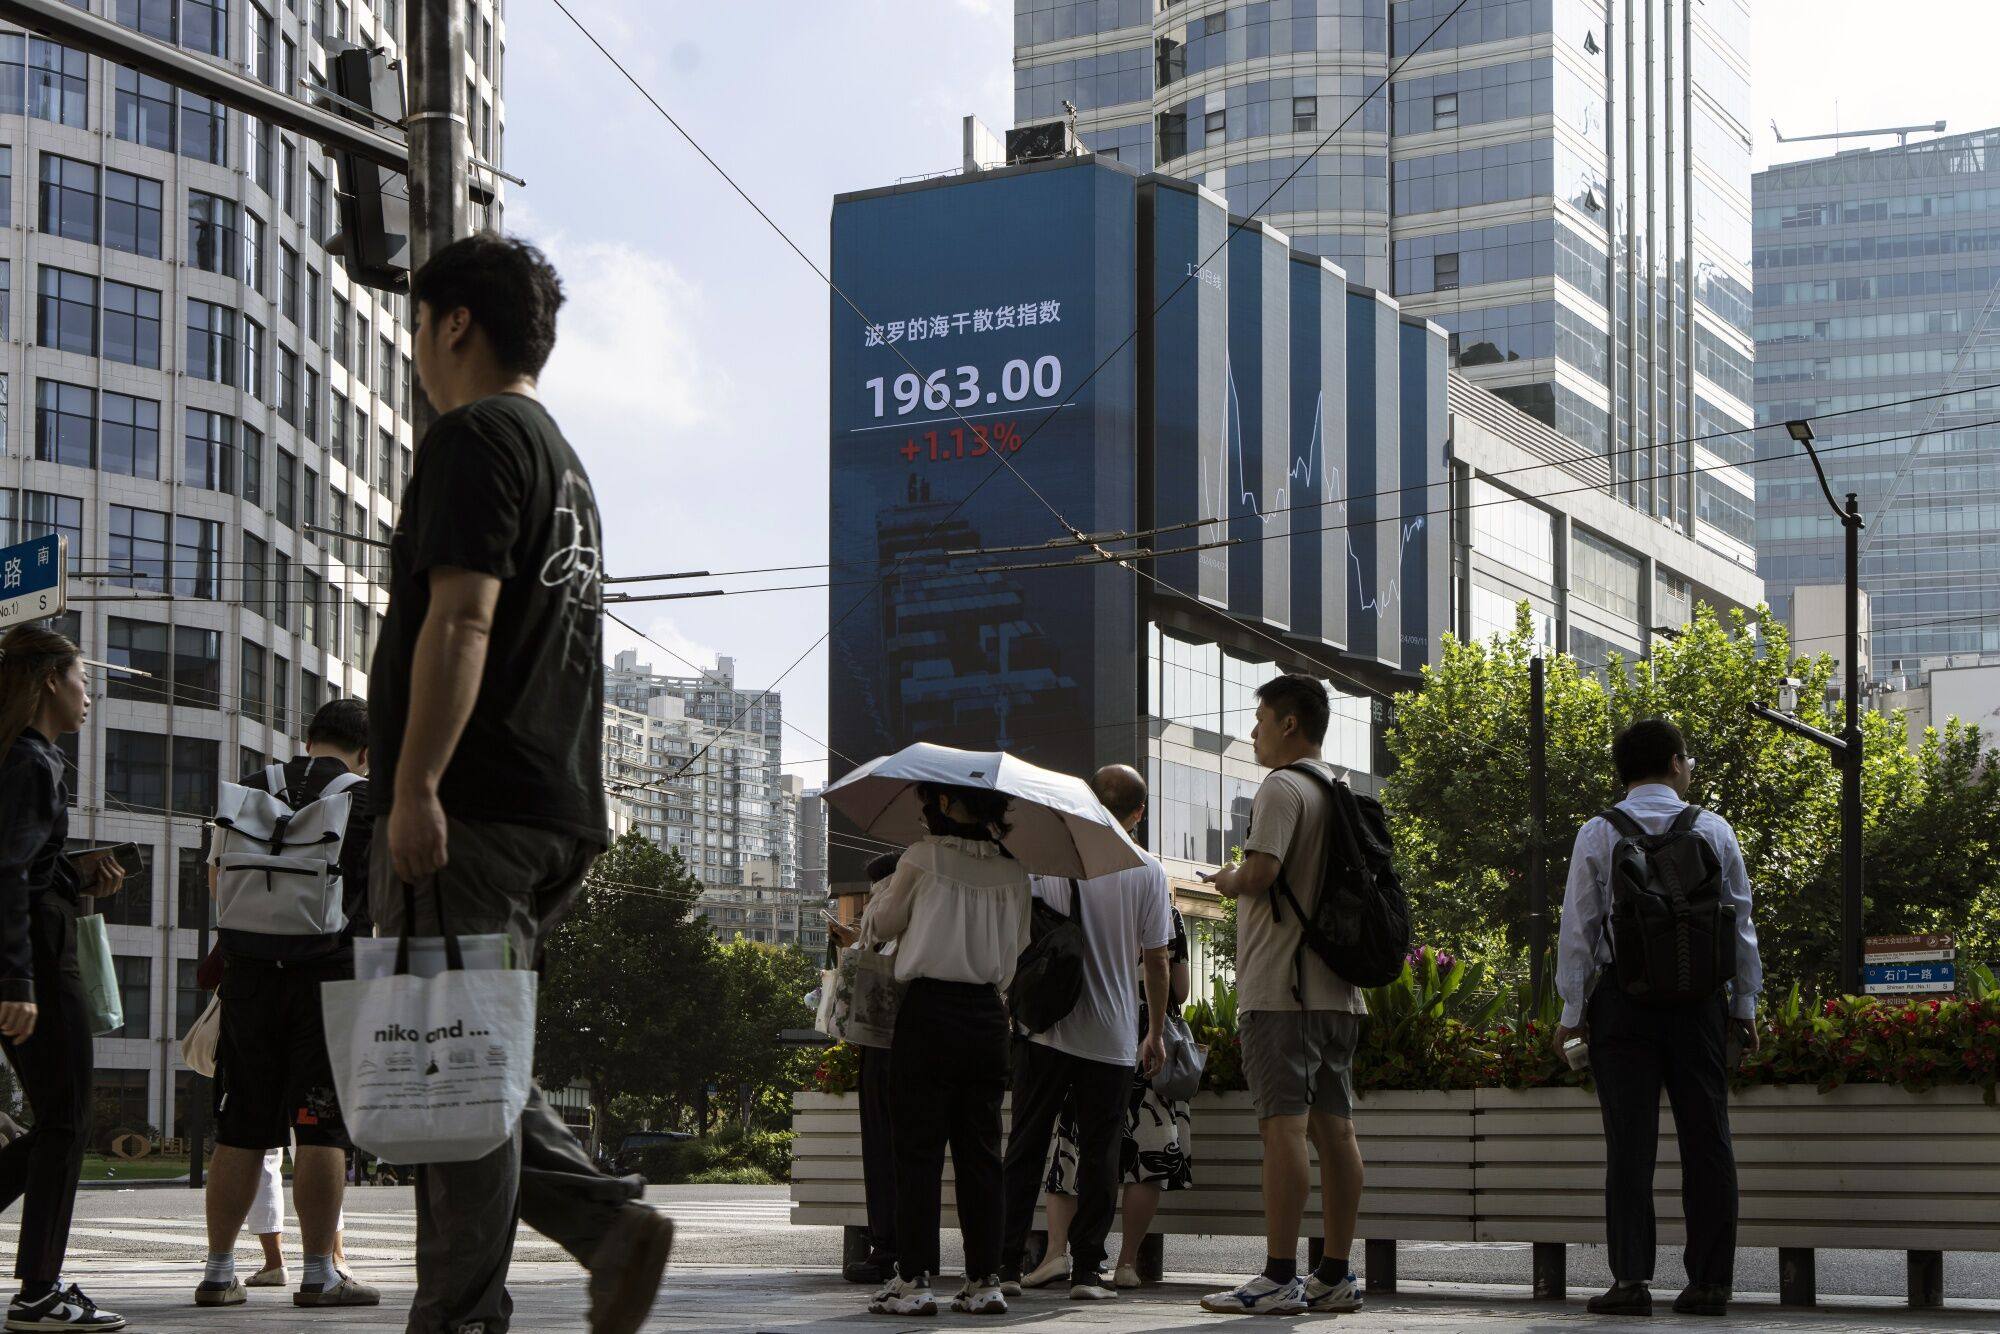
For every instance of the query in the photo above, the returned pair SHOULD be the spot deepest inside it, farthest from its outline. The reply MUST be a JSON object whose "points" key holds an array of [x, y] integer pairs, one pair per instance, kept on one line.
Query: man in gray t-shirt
{"points": [[1299, 1022]]}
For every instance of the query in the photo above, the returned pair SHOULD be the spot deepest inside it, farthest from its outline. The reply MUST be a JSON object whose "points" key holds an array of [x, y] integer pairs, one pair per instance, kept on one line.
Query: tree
{"points": [[760, 991], [1933, 854], [627, 1002]]}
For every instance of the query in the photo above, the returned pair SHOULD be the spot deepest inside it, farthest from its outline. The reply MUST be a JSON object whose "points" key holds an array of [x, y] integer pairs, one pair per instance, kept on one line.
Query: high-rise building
{"points": [[1876, 284], [812, 845], [220, 428], [1564, 185], [749, 815]]}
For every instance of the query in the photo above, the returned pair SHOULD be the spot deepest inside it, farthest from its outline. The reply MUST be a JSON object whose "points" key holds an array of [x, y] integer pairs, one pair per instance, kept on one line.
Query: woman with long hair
{"points": [[44, 1019], [957, 907]]}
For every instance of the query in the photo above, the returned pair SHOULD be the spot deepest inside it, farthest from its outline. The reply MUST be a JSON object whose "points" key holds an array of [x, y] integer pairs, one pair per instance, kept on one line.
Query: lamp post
{"points": [[1845, 748]]}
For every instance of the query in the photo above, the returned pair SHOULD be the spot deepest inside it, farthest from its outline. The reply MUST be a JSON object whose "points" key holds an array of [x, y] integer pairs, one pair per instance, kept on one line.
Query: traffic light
{"points": [[374, 237]]}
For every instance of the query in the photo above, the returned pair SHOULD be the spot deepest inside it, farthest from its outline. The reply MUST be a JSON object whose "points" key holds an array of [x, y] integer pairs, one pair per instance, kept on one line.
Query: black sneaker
{"points": [[1703, 1299], [62, 1309], [1625, 1297]]}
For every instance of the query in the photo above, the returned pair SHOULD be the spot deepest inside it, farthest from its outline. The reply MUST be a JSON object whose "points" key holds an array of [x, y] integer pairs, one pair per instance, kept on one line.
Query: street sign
{"points": [[1908, 944], [1889, 979], [34, 579]]}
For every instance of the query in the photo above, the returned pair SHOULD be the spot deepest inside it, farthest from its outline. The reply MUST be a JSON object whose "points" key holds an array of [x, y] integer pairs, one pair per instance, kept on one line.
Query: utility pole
{"points": [[1846, 749], [1538, 796], [440, 143]]}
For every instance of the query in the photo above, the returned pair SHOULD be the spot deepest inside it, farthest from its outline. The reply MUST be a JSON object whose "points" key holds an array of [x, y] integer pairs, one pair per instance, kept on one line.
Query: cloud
{"points": [[668, 636]]}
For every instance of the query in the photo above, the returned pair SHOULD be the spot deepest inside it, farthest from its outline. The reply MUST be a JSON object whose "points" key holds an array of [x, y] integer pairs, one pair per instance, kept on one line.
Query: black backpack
{"points": [[1360, 921], [1048, 979], [1673, 937]]}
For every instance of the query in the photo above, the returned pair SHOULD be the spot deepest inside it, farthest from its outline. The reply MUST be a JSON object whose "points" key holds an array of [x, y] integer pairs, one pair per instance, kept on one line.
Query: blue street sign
{"points": [[33, 580], [1911, 976]]}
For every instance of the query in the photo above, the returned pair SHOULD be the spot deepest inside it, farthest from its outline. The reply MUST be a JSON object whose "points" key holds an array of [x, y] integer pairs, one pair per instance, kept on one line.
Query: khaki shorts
{"points": [[1300, 1061]]}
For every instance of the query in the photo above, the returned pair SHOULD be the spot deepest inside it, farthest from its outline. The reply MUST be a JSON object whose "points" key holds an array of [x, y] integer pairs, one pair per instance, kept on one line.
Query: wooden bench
{"points": [[1863, 1167]]}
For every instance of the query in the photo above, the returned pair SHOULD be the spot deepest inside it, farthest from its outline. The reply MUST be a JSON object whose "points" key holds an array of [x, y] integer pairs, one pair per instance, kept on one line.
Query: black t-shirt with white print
{"points": [[497, 490]]}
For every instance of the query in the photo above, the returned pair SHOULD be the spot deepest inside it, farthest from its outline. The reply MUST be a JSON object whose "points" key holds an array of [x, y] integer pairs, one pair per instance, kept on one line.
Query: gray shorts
{"points": [[1300, 1061]]}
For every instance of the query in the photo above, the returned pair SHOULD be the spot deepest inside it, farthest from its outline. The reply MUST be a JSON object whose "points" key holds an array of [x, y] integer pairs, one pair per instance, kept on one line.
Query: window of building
{"points": [[315, 297], [253, 250], [129, 436], [281, 582], [120, 1100], [253, 464], [1444, 111], [253, 360], [256, 558], [316, 216], [281, 694], [68, 198], [338, 545], [1305, 114], [340, 344], [360, 463], [1444, 271], [132, 213], [197, 668], [208, 458], [388, 380], [6, 329], [192, 901], [263, 62], [284, 491], [385, 459], [58, 83], [189, 1002], [205, 26], [135, 995], [288, 385], [65, 424], [6, 181], [1215, 126], [263, 141], [211, 342], [309, 506], [67, 313], [312, 693], [137, 550], [360, 366], [197, 561], [141, 646], [144, 110], [43, 513], [212, 240], [204, 129], [252, 699], [154, 18], [131, 324], [309, 397], [409, 380], [309, 600], [288, 176], [336, 431], [288, 282], [135, 769]]}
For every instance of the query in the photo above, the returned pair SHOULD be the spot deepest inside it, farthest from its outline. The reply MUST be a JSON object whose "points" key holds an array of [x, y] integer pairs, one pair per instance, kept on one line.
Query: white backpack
{"points": [[278, 869]]}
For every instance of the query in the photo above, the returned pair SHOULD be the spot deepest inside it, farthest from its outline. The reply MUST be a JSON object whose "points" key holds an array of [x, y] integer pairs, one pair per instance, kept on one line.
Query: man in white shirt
{"points": [[1089, 1054], [1635, 1048]]}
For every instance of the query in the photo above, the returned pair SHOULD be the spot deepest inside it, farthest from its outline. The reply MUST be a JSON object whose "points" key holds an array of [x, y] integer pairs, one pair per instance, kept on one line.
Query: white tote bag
{"points": [[432, 1069], [198, 1047]]}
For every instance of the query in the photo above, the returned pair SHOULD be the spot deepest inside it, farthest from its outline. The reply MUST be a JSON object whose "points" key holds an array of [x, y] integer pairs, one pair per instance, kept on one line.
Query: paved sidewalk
{"points": [[549, 1299]]}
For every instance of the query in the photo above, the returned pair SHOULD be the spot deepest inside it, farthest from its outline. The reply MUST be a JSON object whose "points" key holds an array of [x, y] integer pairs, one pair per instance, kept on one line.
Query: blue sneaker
{"points": [[1344, 1296], [1260, 1296]]}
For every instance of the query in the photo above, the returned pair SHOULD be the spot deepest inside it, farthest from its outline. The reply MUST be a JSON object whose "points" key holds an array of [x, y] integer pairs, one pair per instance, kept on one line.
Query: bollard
{"points": [[1797, 1283], [1551, 1271], [854, 1245], [1315, 1252], [1381, 1264], [1153, 1257]]}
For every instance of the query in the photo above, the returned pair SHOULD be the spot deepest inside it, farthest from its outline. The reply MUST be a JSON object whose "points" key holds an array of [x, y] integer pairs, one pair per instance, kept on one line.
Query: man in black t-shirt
{"points": [[273, 1078], [488, 694]]}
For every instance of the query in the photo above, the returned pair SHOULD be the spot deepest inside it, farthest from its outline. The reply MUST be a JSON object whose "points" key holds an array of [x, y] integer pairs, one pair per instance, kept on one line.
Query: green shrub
{"points": [[768, 1153], [731, 1176]]}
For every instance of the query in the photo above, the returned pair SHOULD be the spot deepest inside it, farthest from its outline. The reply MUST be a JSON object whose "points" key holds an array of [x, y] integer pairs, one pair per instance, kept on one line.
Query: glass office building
{"points": [[1564, 185], [218, 421], [1877, 282]]}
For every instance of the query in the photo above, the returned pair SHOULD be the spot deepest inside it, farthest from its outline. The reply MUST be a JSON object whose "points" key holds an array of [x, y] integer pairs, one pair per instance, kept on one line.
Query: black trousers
{"points": [[878, 1153], [1635, 1050], [1043, 1079], [947, 1079], [55, 1069]]}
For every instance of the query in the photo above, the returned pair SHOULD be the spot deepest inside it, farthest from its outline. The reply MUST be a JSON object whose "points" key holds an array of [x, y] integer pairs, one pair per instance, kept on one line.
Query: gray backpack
{"points": [[278, 868]]}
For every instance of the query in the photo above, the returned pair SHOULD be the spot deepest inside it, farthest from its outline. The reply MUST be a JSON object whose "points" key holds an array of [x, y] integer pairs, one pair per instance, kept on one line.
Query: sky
{"points": [[690, 370]]}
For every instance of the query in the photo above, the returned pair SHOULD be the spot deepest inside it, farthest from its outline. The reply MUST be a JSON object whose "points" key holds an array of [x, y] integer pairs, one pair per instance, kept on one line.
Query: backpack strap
{"points": [[274, 781], [1076, 903], [1684, 822], [1622, 821], [336, 786]]}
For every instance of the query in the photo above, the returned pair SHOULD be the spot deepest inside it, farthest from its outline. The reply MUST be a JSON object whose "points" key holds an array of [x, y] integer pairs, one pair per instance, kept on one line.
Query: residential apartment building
{"points": [[1563, 185], [218, 424], [1876, 283], [752, 808]]}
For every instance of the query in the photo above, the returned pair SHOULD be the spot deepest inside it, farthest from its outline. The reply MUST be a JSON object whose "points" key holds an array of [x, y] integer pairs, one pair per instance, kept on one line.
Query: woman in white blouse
{"points": [[958, 908]]}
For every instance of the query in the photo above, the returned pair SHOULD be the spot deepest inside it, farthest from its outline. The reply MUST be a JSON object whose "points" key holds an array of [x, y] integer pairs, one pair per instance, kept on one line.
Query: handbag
{"points": [[861, 998], [1180, 1074], [432, 1069], [198, 1047], [100, 977]]}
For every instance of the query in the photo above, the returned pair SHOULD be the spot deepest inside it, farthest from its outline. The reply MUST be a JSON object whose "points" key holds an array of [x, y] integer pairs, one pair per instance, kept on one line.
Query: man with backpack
{"points": [[1300, 1020], [289, 868], [1086, 1053], [1658, 969]]}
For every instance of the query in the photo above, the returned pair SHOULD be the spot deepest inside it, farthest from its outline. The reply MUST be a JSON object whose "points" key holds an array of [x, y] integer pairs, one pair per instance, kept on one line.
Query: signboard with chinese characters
{"points": [[1904, 965], [983, 369], [34, 582]]}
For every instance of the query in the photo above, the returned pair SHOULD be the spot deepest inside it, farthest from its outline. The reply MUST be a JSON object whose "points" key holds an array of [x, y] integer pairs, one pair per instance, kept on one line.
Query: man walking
{"points": [[1636, 1046], [273, 1077], [488, 693], [1089, 1054], [1300, 1022]]}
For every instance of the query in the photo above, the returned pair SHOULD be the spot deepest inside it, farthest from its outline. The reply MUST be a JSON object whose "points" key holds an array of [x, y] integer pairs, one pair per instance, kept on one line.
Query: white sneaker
{"points": [[1127, 1276], [1094, 1291], [905, 1296], [1048, 1271], [1259, 1296], [1344, 1296], [981, 1297], [273, 1277]]}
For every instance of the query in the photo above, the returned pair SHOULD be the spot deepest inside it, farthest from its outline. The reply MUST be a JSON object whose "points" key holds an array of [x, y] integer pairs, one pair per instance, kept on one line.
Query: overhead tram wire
{"points": [[1049, 414]]}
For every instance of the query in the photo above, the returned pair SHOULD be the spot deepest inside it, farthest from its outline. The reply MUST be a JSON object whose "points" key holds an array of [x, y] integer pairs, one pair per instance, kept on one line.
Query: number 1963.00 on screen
{"points": [[960, 388]]}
